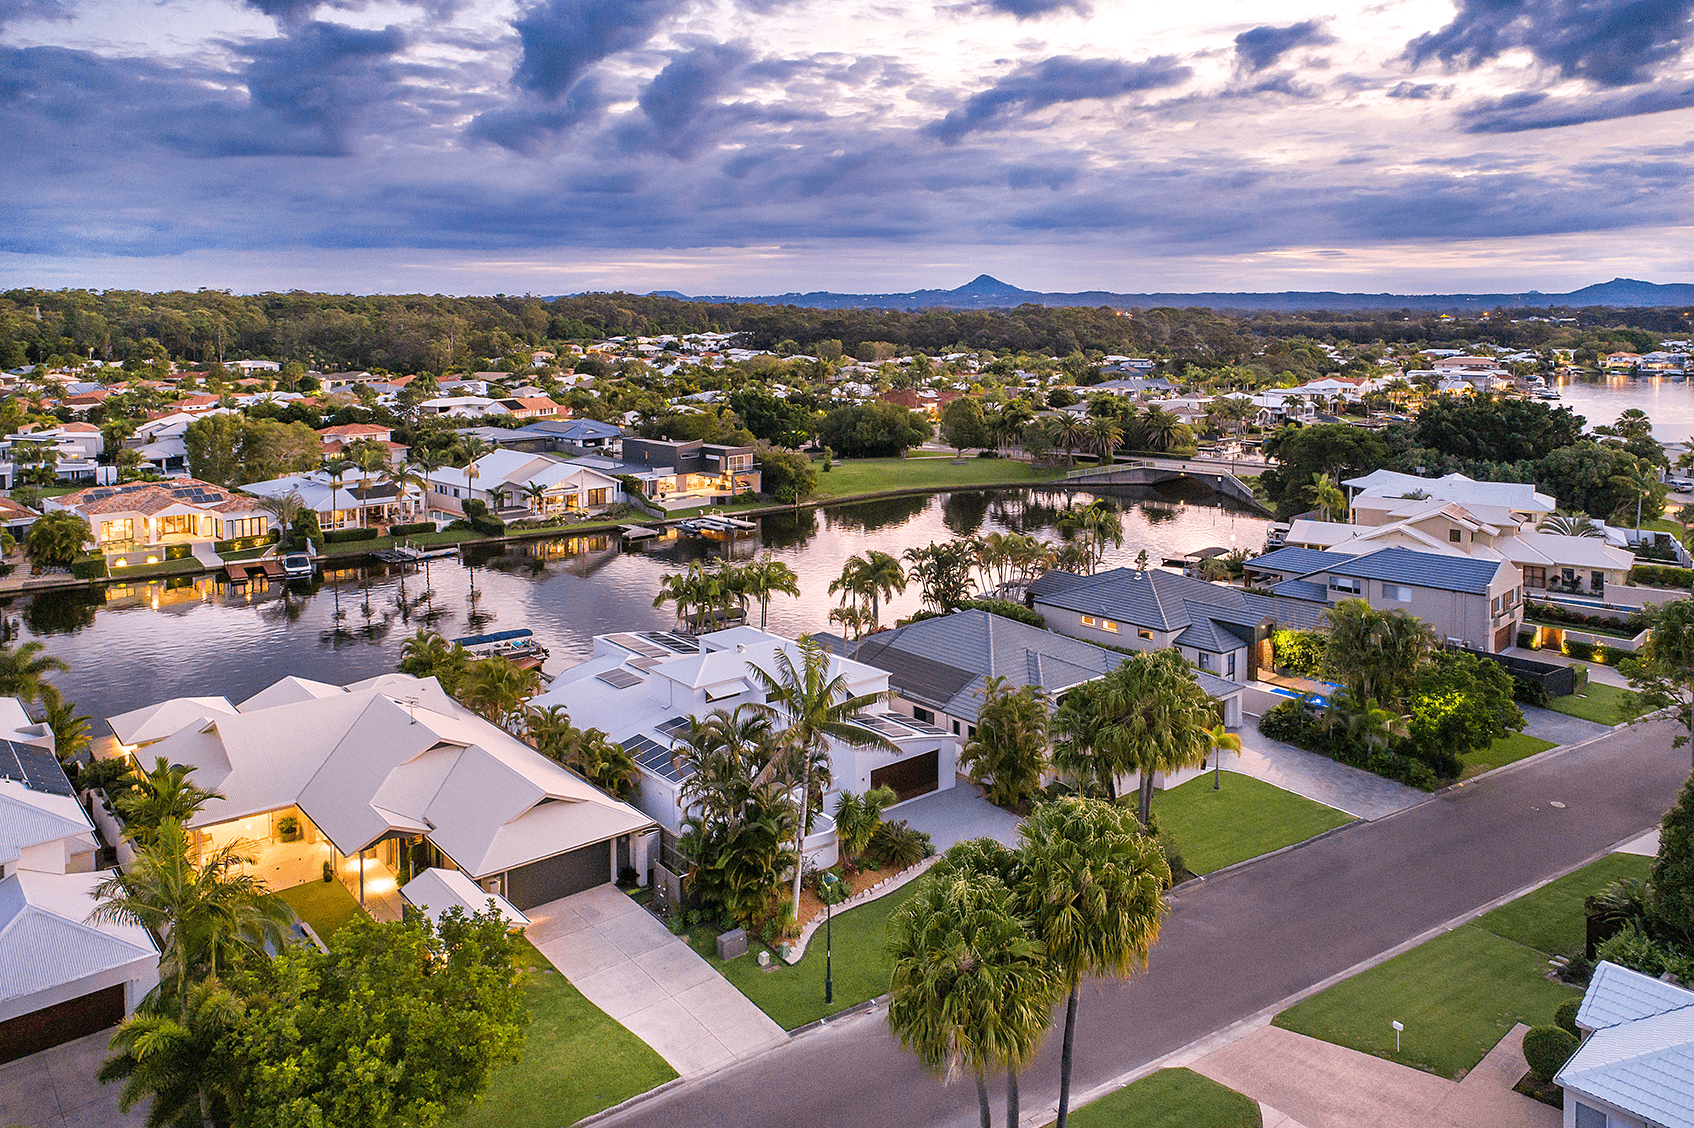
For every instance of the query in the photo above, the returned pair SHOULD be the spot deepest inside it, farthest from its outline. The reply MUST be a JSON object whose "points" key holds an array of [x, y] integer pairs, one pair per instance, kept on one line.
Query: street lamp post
{"points": [[826, 886]]}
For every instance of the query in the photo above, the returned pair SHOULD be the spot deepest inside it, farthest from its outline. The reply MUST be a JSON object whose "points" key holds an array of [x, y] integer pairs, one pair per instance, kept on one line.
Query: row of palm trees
{"points": [[711, 595]]}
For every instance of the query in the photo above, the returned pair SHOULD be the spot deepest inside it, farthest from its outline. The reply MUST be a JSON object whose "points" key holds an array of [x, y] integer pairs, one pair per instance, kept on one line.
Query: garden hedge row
{"points": [[1662, 575], [90, 568], [412, 529], [342, 536]]}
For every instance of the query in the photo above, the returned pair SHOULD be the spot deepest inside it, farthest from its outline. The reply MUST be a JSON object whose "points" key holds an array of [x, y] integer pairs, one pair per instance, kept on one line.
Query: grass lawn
{"points": [[575, 1062], [1459, 993], [325, 905], [793, 996], [1550, 918], [872, 475], [1170, 1098], [1508, 749], [1244, 819], [1597, 701]]}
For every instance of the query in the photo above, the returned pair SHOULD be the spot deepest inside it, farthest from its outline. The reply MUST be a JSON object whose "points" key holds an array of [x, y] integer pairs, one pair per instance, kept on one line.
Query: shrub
{"points": [[1526, 640], [178, 551], [1528, 691], [89, 568], [489, 526], [240, 544], [1299, 652], [343, 536], [1565, 1017], [1293, 722], [1659, 575], [412, 529], [1583, 651], [1004, 608], [897, 846], [1546, 1048]]}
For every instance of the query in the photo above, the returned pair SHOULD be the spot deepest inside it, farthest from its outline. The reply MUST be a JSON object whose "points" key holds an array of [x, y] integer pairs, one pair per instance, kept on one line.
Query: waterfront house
{"points": [[1377, 491], [1635, 1066], [62, 976], [384, 779], [1221, 630], [641, 689], [337, 440], [679, 474], [72, 449], [1469, 601], [139, 522], [358, 499], [504, 478]]}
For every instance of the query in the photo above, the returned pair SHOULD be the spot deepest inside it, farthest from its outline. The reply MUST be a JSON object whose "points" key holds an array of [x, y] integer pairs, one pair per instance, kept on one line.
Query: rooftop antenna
{"points": [[411, 704]]}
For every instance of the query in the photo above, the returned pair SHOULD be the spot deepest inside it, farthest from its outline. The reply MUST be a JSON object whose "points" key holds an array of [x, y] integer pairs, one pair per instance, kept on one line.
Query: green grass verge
{"points": [[1457, 995], [1551, 918], [325, 905], [1460, 993], [874, 475], [1170, 1098], [1508, 749], [575, 1062], [793, 996], [1245, 818], [1597, 701]]}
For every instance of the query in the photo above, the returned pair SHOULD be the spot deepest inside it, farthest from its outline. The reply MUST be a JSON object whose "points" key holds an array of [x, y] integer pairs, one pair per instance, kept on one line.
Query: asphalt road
{"points": [[1237, 944]]}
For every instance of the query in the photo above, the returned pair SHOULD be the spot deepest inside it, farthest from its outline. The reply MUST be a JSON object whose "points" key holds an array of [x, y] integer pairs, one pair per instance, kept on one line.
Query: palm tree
{"points": [[175, 1059], [1570, 525], [550, 732], [1222, 741], [162, 795], [604, 763], [678, 588], [1639, 480], [1376, 653], [210, 914], [970, 988], [537, 495], [869, 579], [856, 621], [813, 709], [473, 448], [497, 687], [70, 729], [286, 509], [337, 469], [1147, 716], [1161, 429], [1073, 431], [24, 669], [1105, 435], [405, 477], [1365, 722], [1091, 886], [1328, 495], [766, 577]]}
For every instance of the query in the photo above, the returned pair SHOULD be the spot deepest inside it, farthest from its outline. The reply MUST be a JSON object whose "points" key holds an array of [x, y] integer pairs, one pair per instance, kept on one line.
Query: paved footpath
{"points": [[1238, 944]]}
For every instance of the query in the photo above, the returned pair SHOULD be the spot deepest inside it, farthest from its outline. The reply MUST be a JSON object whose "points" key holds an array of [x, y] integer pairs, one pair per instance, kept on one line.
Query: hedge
{"points": [[90, 568], [489, 526], [240, 544], [178, 551], [1297, 723], [414, 527], [342, 536], [1004, 608], [1546, 1049], [1662, 575]]}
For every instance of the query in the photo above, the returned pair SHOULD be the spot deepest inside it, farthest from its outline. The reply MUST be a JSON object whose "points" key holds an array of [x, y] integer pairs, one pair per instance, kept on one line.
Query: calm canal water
{"points": [[1668, 403], [131, 645]]}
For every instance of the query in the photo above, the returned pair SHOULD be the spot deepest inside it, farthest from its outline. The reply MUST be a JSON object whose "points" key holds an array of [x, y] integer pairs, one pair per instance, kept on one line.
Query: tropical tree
{"points": [[970, 990], [497, 688], [24, 669], [1073, 432], [766, 577], [429, 655], [852, 619], [56, 539], [1328, 496], [1377, 654], [211, 915], [1639, 482], [405, 477], [174, 1058], [1222, 741], [1147, 716], [286, 509], [161, 796], [1105, 435], [1662, 672], [1365, 723], [1570, 525], [942, 572], [1091, 886], [868, 579], [1162, 430], [337, 469], [739, 821], [550, 732], [70, 729], [812, 708], [537, 495], [1009, 751], [857, 815]]}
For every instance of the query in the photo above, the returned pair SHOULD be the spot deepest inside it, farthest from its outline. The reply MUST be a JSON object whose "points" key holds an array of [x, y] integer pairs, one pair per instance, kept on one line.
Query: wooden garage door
{"points": [[63, 1022], [912, 777], [559, 876]]}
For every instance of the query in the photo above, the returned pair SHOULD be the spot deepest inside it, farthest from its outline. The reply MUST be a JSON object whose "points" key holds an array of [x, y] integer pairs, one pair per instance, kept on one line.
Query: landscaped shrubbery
{"points": [[1633, 623], [1305, 726], [413, 529], [1651, 924], [1004, 608], [478, 517], [89, 568], [1298, 652], [241, 544], [1546, 1048], [1660, 575], [343, 536]]}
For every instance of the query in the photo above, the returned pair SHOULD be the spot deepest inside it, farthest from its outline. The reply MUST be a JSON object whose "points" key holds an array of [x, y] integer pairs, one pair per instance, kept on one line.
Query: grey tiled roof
{"points": [[1421, 569], [1296, 561], [1301, 589], [1167, 601]]}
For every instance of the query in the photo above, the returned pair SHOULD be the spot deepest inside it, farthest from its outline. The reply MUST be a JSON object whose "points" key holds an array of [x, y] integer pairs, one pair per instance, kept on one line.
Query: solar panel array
{"points": [[619, 678], [672, 640], [35, 768], [674, 727], [927, 730], [882, 725], [639, 645], [656, 758]]}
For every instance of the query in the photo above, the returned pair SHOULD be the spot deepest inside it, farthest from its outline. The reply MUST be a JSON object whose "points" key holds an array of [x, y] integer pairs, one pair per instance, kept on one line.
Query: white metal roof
{"points": [[155, 722], [33, 818], [45, 937], [1519, 496], [1640, 1054], [434, 891]]}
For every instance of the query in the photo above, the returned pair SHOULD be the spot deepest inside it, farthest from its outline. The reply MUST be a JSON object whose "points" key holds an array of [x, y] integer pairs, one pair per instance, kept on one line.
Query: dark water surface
{"points": [[131, 645]]}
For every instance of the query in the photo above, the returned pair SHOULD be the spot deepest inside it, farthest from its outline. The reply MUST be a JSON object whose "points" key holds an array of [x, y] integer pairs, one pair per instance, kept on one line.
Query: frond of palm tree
{"points": [[1222, 741], [70, 729], [1570, 525], [286, 509], [537, 495], [497, 688], [337, 469], [24, 669], [161, 796], [176, 1060], [766, 577], [1105, 435]]}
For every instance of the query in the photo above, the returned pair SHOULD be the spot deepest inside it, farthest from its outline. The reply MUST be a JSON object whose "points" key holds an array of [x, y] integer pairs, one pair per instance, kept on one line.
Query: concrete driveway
{"points": [[56, 1089], [956, 815], [1359, 793], [632, 967]]}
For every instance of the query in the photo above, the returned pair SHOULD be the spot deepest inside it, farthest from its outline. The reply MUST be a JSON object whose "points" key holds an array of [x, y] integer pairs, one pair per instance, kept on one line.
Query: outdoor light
{"points": [[826, 894]]}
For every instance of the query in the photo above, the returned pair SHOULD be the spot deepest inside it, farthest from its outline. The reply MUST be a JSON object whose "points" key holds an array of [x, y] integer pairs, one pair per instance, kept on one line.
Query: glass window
{"points": [[1453, 535], [1398, 592], [1088, 620], [1144, 634], [1107, 624], [1230, 669], [921, 714], [1589, 1117]]}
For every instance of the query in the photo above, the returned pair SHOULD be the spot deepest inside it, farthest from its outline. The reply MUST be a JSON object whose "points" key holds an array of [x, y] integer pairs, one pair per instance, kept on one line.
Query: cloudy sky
{"points": [[758, 146]]}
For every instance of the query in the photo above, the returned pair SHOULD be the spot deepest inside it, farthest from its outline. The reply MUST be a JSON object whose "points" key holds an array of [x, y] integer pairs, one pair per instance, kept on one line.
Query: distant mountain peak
{"points": [[987, 284]]}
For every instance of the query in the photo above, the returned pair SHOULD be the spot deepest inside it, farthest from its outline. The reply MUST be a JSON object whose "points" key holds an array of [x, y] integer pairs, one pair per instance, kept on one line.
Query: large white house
{"points": [[504, 478], [641, 688]]}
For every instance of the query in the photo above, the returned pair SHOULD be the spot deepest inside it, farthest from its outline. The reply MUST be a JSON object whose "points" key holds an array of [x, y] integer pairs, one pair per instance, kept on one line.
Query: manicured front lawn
{"points": [[793, 996], [575, 1061], [871, 475], [325, 905], [1508, 749], [1171, 1098], [1244, 819], [1597, 701], [1460, 993], [1551, 918]]}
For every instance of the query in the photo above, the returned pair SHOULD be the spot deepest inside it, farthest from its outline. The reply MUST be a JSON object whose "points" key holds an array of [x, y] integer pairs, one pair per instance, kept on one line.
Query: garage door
{"points": [[63, 1022], [918, 775], [560, 876]]}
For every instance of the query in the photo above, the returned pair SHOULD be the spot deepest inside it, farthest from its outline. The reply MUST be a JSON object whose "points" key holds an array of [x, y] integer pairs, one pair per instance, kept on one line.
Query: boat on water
{"points": [[407, 553], [519, 646], [297, 565], [717, 526], [1547, 393]]}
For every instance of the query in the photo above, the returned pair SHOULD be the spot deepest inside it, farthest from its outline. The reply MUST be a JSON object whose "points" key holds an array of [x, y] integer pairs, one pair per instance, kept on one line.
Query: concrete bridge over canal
{"points": [[1220, 476]]}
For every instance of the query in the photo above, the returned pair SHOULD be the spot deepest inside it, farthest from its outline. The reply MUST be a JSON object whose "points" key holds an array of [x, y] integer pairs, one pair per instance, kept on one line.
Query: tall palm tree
{"points": [[869, 579], [1073, 432], [1092, 889], [24, 669], [337, 469], [497, 688], [678, 588], [1147, 716], [1639, 480], [812, 708], [1222, 741], [405, 477], [1161, 429], [210, 914], [162, 795], [286, 509], [473, 448], [70, 729], [766, 577], [1105, 435], [970, 989], [549, 731], [1376, 653], [1328, 495], [537, 495]]}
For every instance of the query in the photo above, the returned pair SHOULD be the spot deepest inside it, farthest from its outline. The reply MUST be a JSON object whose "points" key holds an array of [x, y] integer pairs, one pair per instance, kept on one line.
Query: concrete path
{"points": [[1558, 727], [1647, 846], [56, 1089], [957, 815], [632, 967], [1319, 1085], [1360, 793]]}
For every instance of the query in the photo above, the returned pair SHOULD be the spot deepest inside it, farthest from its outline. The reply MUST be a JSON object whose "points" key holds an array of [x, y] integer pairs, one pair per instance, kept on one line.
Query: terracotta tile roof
{"points": [[11, 511], [155, 497], [80, 428], [354, 430]]}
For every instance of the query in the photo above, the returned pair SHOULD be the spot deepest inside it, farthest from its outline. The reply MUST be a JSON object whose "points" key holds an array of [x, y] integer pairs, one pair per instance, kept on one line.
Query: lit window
{"points": [[1088, 620], [1107, 624], [1145, 634]]}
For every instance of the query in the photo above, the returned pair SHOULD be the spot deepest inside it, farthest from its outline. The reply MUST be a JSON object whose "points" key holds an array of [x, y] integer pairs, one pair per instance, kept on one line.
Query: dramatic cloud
{"points": [[1518, 112], [1607, 42], [1031, 9], [1036, 86], [1265, 45], [563, 38], [14, 10], [679, 95]]}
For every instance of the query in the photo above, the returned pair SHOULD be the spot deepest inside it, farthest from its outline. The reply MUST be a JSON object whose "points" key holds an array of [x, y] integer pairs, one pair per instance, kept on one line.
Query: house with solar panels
{"points": [[61, 976], [642, 687], [1635, 1066], [137, 522]]}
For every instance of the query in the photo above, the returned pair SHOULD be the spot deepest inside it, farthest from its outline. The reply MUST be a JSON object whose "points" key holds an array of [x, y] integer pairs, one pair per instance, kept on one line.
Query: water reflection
{"points": [[135, 643]]}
